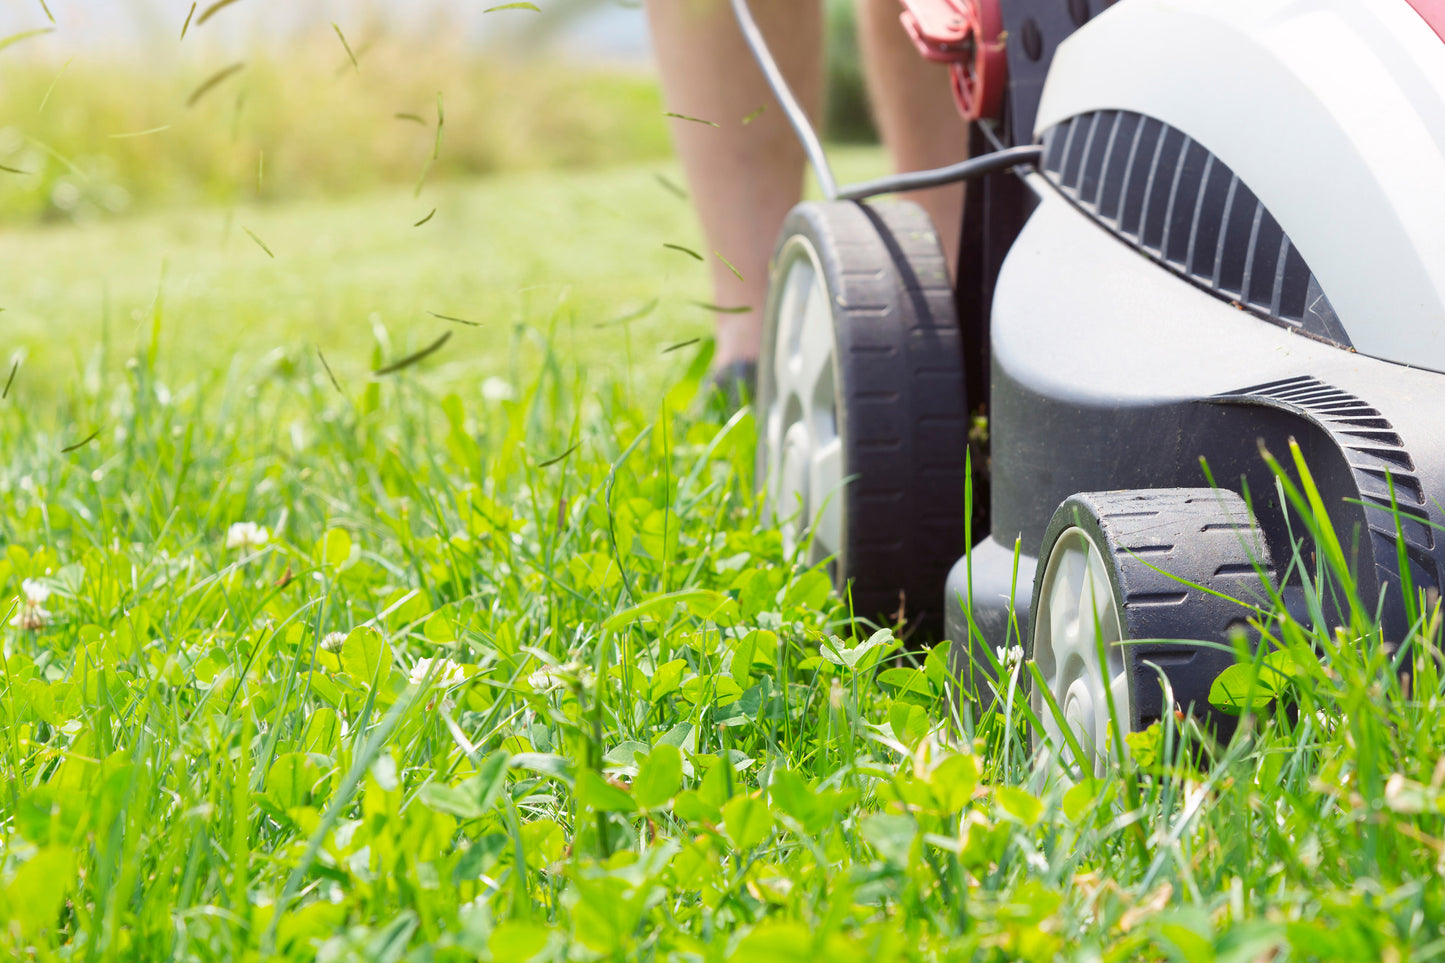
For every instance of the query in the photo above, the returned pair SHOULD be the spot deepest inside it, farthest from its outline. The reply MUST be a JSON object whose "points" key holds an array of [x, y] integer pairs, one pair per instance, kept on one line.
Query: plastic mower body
{"points": [[1229, 236]]}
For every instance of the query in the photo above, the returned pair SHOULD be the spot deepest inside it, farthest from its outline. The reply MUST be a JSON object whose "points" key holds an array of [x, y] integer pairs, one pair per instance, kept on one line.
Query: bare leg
{"points": [[913, 105], [744, 176]]}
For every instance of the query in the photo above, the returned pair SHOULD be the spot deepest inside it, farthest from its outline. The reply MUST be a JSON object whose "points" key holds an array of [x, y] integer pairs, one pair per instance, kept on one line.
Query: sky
{"points": [[614, 31]]}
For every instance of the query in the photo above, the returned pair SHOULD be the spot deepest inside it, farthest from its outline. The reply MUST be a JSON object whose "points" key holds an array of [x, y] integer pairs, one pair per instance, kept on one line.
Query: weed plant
{"points": [[293, 672]]}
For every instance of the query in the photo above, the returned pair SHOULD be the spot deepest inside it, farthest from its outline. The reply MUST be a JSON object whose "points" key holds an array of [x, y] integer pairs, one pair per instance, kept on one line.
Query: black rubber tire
{"points": [[1200, 535], [900, 401]]}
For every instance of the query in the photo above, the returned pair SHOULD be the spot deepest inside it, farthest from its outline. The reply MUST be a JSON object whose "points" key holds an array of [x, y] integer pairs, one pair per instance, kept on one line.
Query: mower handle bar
{"points": [[975, 167]]}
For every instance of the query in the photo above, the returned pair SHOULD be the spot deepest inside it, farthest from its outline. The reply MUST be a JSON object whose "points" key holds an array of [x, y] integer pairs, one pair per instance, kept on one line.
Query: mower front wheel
{"points": [[1133, 585]]}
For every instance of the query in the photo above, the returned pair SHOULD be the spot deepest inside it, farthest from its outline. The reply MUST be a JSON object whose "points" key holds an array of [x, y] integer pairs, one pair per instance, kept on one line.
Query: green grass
{"points": [[513, 249], [643, 733], [581, 251]]}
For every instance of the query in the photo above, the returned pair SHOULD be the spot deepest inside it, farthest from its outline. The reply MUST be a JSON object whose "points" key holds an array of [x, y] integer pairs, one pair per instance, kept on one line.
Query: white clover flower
{"points": [[497, 389], [33, 616], [331, 641], [547, 678], [1009, 655], [448, 672], [247, 535]]}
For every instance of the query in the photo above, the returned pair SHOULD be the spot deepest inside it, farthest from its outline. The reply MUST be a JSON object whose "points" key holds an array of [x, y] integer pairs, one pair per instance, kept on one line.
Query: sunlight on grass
{"points": [[391, 672]]}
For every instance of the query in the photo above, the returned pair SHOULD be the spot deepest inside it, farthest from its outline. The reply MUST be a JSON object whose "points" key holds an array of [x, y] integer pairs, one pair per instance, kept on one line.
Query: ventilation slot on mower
{"points": [[1165, 194]]}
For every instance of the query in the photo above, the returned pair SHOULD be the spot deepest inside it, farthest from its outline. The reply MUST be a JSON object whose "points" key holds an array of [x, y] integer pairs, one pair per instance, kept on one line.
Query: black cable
{"points": [[971, 169]]}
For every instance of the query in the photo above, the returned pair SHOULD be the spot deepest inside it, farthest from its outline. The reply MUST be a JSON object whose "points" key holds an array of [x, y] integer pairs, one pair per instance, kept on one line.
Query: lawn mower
{"points": [[1194, 229]]}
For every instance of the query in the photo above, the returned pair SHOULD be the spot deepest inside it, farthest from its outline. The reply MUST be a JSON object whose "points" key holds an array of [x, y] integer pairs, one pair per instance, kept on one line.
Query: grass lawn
{"points": [[492, 658], [570, 253]]}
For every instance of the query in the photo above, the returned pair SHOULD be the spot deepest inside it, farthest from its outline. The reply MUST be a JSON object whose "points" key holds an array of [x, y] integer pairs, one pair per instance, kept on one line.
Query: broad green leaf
{"points": [[809, 591], [864, 655], [953, 781], [545, 763], [906, 680], [545, 842], [602, 919], [714, 786], [481, 856], [438, 629], [1081, 798], [680, 736], [334, 548], [1191, 933], [471, 798], [910, 721], [1022, 806], [1144, 746], [366, 656], [667, 678], [758, 591], [757, 647], [791, 794], [323, 728], [891, 834], [1241, 688], [38, 890], [779, 941], [747, 820], [718, 690], [690, 806], [455, 800], [624, 755], [517, 942], [659, 778], [596, 793], [290, 778]]}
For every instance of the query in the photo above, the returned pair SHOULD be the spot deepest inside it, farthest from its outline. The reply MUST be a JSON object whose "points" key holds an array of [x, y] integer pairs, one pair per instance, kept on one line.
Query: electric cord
{"points": [[996, 162]]}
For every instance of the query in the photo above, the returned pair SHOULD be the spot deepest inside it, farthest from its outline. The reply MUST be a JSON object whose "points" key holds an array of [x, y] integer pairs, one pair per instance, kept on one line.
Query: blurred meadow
{"points": [[281, 180], [273, 206]]}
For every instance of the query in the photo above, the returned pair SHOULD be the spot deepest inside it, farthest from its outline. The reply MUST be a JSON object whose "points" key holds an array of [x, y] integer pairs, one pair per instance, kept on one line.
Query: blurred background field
{"points": [[108, 127], [110, 111], [275, 208]]}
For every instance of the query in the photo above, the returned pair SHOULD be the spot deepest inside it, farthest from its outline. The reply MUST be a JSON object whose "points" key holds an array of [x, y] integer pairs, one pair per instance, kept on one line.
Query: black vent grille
{"points": [[1379, 462], [1168, 196]]}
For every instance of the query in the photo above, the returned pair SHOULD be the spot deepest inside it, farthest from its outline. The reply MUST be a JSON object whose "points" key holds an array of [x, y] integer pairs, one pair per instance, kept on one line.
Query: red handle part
{"points": [[940, 29], [967, 35], [1433, 12]]}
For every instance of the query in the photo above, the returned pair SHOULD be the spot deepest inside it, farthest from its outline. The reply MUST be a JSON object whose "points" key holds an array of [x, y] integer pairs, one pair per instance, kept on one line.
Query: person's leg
{"points": [[913, 106], [744, 177]]}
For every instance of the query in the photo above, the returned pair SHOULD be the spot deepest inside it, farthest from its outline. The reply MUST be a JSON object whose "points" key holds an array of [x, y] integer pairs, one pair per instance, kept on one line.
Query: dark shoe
{"points": [[733, 385]]}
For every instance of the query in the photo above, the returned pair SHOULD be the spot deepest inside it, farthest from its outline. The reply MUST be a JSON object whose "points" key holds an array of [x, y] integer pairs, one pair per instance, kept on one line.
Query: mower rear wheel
{"points": [[1129, 584], [862, 420]]}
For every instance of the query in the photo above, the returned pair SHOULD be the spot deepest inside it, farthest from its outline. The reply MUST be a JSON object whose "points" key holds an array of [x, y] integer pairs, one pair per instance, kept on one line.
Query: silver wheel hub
{"points": [[1077, 635], [803, 463]]}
